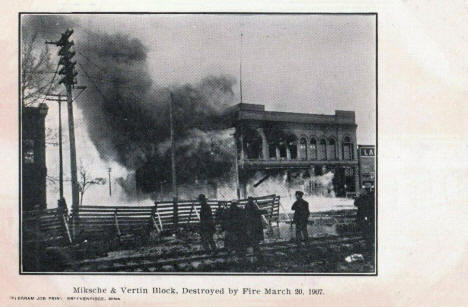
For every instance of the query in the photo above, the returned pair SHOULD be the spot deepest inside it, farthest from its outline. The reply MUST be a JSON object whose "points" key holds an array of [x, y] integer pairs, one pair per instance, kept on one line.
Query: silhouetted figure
{"points": [[207, 225], [254, 226], [301, 216], [365, 217], [235, 236], [62, 206]]}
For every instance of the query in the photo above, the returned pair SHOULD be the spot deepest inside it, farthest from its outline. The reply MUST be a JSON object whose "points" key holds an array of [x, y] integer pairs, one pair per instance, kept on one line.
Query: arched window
{"points": [[331, 149], [282, 149], [313, 149], [303, 149], [253, 144], [322, 150], [347, 148], [292, 146], [272, 150]]}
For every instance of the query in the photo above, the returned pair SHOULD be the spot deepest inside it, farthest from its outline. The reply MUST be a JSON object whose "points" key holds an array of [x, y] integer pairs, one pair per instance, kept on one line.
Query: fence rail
{"points": [[47, 227], [53, 227], [105, 222]]}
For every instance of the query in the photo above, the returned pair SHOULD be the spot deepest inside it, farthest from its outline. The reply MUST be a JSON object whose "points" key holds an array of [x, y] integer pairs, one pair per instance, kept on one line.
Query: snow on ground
{"points": [[318, 203]]}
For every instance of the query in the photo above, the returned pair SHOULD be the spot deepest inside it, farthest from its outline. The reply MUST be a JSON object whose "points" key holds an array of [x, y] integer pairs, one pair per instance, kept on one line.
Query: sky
{"points": [[295, 63]]}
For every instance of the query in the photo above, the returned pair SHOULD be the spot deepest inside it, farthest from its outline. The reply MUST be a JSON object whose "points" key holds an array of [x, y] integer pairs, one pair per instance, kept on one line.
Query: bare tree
{"points": [[38, 75], [86, 180]]}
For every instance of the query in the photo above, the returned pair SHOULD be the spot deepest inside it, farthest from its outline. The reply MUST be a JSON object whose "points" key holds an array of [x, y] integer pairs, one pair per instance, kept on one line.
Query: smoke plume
{"points": [[127, 113], [128, 119]]}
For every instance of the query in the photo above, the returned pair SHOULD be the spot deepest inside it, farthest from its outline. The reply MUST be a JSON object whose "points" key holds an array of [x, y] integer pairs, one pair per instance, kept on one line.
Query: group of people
{"points": [[243, 228]]}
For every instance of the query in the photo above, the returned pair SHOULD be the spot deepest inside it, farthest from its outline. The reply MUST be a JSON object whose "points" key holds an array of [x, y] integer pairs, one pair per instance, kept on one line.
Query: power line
{"points": [[100, 68], [51, 83], [97, 88], [38, 72], [108, 81], [74, 99], [100, 79]]}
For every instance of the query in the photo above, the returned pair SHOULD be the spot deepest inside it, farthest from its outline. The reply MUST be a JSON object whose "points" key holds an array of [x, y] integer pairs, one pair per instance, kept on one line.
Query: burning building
{"points": [[296, 144]]}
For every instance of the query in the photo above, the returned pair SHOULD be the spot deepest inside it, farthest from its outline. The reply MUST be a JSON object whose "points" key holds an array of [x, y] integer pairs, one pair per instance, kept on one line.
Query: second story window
{"points": [[331, 149], [313, 149], [322, 150], [303, 149], [347, 149], [292, 146], [272, 150], [282, 149]]}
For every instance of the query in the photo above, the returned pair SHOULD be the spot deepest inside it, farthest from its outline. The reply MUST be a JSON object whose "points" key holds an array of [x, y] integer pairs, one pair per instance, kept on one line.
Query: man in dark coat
{"points": [[361, 215], [301, 216], [365, 217], [254, 225], [62, 206], [207, 225], [235, 236]]}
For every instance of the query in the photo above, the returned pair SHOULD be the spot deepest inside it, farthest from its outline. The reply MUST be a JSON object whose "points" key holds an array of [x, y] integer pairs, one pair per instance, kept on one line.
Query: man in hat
{"points": [[301, 216], [207, 225], [235, 237], [254, 226]]}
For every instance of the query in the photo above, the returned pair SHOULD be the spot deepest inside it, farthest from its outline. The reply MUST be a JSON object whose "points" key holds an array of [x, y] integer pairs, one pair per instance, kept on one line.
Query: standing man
{"points": [[362, 211], [207, 225], [365, 216], [62, 205], [236, 238], [301, 216], [254, 226]]}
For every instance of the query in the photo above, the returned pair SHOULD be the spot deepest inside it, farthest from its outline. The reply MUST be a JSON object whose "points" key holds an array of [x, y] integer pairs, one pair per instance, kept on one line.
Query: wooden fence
{"points": [[103, 222], [48, 227]]}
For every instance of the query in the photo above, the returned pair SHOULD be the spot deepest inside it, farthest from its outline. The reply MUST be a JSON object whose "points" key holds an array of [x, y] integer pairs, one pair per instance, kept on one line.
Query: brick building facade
{"points": [[315, 143], [33, 158]]}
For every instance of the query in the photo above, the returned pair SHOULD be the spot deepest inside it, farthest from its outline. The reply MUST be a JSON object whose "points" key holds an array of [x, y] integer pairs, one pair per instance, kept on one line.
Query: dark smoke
{"points": [[45, 27], [127, 114], [128, 120]]}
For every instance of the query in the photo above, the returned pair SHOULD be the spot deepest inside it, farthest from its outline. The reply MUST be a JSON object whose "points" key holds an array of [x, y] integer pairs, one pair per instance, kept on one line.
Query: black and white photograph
{"points": [[198, 143]]}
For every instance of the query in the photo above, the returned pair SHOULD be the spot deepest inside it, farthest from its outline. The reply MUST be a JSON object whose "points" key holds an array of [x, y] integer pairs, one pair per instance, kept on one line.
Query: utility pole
{"points": [[236, 168], [73, 168], [110, 188], [68, 70], [60, 148], [240, 129], [240, 68], [173, 165], [59, 102]]}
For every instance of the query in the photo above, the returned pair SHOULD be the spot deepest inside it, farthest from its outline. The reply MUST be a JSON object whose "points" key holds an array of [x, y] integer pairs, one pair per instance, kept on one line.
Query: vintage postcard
{"points": [[195, 144], [194, 155]]}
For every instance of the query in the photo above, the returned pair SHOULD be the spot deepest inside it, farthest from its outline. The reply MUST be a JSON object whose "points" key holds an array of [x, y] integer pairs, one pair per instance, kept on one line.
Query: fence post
{"points": [[175, 214], [153, 216], [37, 237], [190, 215], [116, 224], [67, 230]]}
